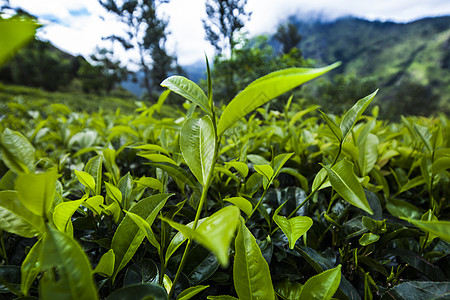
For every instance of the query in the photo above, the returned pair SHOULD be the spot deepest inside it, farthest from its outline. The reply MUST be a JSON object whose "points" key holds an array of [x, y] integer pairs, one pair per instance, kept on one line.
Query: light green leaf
{"points": [[128, 237], [368, 238], [86, 179], [36, 191], [267, 172], [191, 292], [415, 182], [16, 151], [294, 227], [105, 266], [333, 126], [279, 161], [251, 273], [152, 147], [239, 166], [265, 89], [242, 203], [424, 134], [63, 213], [113, 192], [189, 90], [214, 233], [95, 204], [400, 208], [14, 34], [146, 228], [368, 154], [30, 267], [197, 144], [158, 158], [353, 114], [346, 184], [439, 228], [94, 167], [16, 218], [125, 186], [439, 165], [150, 182], [73, 267], [322, 286], [289, 289]]}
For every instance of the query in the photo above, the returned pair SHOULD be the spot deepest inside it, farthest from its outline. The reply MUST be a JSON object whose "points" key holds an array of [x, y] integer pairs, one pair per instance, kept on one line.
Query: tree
{"points": [[225, 19], [146, 33], [288, 36]]}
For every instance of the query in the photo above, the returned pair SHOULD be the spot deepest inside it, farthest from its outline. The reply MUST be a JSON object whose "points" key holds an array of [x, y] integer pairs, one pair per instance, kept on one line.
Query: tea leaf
{"points": [[15, 33], [419, 290], [16, 218], [240, 167], [267, 172], [344, 182], [352, 115], [30, 267], [94, 168], [368, 154], [105, 266], [294, 227], [191, 292], [400, 208], [128, 237], [441, 164], [242, 203], [265, 89], [36, 191], [151, 147], [145, 227], [197, 144], [63, 213], [125, 186], [251, 273], [17, 152], [189, 90], [333, 126], [368, 238], [322, 286], [438, 228], [143, 271], [74, 270], [288, 289]]}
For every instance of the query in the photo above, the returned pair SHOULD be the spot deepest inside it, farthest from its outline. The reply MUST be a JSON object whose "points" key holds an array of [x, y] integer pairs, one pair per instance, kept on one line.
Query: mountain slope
{"points": [[392, 53]]}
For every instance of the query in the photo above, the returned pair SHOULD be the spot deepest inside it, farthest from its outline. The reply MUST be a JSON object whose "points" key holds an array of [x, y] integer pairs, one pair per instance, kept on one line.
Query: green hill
{"points": [[402, 58]]}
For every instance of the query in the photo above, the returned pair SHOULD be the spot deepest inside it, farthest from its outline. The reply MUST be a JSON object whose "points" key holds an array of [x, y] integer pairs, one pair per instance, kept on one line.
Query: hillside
{"points": [[394, 54]]}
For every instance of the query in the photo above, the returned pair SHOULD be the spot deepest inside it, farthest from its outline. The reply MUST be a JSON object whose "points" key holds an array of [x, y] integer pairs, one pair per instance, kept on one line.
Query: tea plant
{"points": [[223, 203]]}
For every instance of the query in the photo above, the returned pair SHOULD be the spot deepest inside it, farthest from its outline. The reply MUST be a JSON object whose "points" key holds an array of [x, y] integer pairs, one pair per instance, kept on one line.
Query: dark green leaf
{"points": [[139, 292], [144, 271]]}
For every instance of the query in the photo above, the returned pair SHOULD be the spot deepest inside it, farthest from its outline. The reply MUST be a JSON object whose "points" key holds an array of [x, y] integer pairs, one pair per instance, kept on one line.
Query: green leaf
{"points": [[288, 289], [189, 90], [279, 161], [150, 182], [222, 297], [265, 89], [17, 152], [63, 213], [158, 158], [439, 165], [214, 233], [322, 286], [368, 154], [242, 203], [368, 238], [197, 144], [36, 191], [113, 192], [346, 184], [400, 208], [143, 271], [267, 172], [16, 218], [333, 126], [146, 228], [125, 186], [14, 34], [94, 168], [239, 166], [251, 273], [152, 147], [128, 237], [353, 114], [74, 280], [105, 266], [425, 136], [30, 267], [419, 290], [86, 179], [294, 227], [439, 228], [415, 182], [145, 291], [191, 292]]}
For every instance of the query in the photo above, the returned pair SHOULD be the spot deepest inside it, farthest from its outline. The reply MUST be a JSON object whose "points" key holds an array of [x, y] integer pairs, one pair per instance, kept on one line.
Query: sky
{"points": [[77, 26]]}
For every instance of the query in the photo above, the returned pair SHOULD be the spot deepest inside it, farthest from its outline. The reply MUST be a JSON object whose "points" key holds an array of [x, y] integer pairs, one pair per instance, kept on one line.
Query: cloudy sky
{"points": [[77, 26]]}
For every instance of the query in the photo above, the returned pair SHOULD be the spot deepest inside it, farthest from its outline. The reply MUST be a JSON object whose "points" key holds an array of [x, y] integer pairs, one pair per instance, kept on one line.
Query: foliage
{"points": [[146, 34], [225, 20], [288, 36]]}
